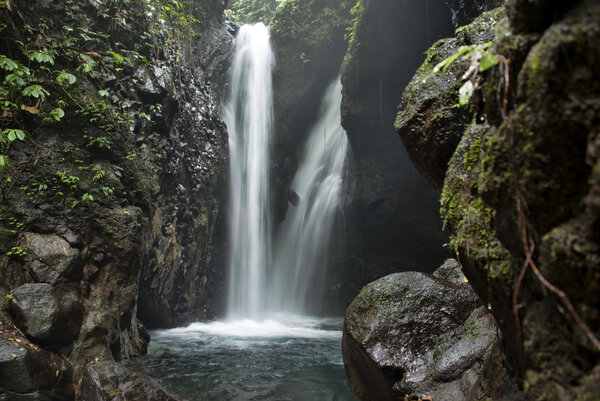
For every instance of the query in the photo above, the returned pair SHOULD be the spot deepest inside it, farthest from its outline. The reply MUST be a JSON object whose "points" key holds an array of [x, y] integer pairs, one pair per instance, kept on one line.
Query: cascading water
{"points": [[251, 355], [302, 247], [249, 116]]}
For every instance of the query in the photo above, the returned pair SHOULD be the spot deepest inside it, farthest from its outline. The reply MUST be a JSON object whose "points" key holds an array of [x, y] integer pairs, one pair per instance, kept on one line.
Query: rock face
{"points": [[520, 195], [393, 221], [111, 381], [415, 335], [110, 204]]}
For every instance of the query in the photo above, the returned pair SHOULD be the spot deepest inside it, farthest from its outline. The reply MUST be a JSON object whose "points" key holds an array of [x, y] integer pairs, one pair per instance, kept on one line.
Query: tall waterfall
{"points": [[249, 115], [303, 241]]}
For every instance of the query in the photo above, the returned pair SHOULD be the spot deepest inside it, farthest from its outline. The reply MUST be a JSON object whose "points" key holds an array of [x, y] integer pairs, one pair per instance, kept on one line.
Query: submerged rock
{"points": [[111, 381], [415, 335]]}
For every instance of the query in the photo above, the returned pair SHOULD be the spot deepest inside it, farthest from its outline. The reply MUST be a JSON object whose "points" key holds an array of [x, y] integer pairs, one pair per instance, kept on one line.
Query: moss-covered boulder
{"points": [[415, 335], [430, 120]]}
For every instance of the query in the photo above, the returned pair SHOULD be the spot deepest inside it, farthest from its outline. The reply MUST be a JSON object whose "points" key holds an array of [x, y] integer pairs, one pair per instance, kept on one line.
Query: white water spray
{"points": [[249, 115]]}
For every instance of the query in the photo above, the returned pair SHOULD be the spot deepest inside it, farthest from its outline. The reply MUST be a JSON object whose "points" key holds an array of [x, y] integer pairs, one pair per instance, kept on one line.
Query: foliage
{"points": [[63, 72], [480, 58], [357, 11], [252, 11]]}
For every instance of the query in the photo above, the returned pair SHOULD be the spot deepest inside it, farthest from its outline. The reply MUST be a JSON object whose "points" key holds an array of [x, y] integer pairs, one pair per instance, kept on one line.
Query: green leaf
{"points": [[465, 93], [57, 114], [41, 56], [444, 64], [488, 60], [85, 68], [14, 79], [3, 161], [116, 56], [102, 93], [8, 64], [65, 76], [12, 134], [35, 91]]}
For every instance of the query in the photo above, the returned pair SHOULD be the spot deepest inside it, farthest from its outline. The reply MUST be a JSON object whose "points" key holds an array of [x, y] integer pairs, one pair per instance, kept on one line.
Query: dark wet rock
{"points": [[464, 11], [111, 381], [535, 15], [28, 372], [215, 51], [51, 258], [429, 121], [143, 151], [49, 315], [450, 271], [414, 335]]}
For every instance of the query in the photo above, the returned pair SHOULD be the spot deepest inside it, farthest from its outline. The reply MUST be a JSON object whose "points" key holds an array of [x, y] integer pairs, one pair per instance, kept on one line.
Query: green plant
{"points": [[480, 58], [17, 251]]}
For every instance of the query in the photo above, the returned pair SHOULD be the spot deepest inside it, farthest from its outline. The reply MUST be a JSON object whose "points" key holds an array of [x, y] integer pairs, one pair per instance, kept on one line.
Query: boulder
{"points": [[49, 315], [111, 381], [429, 121], [415, 335], [28, 372], [51, 258]]}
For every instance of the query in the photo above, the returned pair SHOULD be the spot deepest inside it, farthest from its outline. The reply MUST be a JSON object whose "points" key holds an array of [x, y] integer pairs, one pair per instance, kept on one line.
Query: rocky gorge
{"points": [[114, 185]]}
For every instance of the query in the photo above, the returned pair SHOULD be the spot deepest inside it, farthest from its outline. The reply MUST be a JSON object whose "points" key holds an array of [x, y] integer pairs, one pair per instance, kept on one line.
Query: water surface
{"points": [[291, 358]]}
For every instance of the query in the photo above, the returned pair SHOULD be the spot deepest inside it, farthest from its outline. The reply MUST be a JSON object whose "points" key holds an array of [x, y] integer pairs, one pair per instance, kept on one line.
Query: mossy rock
{"points": [[430, 120], [414, 335]]}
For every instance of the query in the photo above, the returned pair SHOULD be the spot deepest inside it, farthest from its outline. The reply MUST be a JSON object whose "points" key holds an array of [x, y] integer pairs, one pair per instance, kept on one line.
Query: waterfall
{"points": [[301, 252], [248, 115]]}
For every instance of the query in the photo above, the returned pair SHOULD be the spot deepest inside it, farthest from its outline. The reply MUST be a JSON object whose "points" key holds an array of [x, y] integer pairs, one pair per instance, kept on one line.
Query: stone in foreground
{"points": [[416, 335]]}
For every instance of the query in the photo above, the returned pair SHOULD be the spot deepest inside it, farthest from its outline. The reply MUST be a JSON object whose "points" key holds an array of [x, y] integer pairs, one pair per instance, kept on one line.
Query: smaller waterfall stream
{"points": [[301, 250]]}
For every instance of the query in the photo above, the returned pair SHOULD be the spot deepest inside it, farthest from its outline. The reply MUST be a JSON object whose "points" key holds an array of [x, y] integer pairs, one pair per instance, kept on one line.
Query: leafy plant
{"points": [[480, 58]]}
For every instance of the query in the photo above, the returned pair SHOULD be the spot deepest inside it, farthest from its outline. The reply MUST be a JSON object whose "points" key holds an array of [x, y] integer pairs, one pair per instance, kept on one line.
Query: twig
{"points": [[560, 293], [515, 299], [567, 303], [506, 63]]}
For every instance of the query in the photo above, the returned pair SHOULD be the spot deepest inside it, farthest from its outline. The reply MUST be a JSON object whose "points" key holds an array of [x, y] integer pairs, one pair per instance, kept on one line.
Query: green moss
{"points": [[463, 209]]}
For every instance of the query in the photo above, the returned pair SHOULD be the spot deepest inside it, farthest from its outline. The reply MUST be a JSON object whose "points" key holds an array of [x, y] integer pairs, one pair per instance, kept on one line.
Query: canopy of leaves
{"points": [[252, 11]]}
